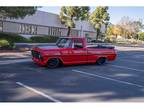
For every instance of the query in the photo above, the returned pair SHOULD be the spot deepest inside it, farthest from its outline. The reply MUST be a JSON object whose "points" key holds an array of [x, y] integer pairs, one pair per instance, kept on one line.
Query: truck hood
{"points": [[48, 47]]}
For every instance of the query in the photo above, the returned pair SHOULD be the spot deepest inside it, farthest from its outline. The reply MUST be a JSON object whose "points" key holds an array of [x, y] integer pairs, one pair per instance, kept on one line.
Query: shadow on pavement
{"points": [[65, 85]]}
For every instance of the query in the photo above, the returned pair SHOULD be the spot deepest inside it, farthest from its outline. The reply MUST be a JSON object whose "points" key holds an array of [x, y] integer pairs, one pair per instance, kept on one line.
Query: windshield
{"points": [[64, 43]]}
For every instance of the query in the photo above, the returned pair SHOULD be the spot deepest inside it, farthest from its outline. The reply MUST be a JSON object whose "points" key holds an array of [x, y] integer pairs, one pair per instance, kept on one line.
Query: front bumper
{"points": [[38, 61], [38, 58]]}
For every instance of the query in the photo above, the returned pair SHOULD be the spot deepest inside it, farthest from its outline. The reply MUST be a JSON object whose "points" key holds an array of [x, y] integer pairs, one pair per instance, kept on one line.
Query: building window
{"points": [[27, 29], [58, 32], [51, 31], [48, 30], [54, 31], [62, 31], [33, 29], [1, 26]]}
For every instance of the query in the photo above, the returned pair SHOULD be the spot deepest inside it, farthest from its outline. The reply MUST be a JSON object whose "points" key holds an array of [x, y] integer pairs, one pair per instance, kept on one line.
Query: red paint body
{"points": [[70, 55]]}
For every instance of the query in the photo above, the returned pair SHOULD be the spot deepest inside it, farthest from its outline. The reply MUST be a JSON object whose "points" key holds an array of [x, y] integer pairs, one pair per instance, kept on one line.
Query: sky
{"points": [[116, 12]]}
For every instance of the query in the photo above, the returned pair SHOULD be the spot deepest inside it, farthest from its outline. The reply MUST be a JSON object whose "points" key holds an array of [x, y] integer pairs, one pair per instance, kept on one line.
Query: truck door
{"points": [[66, 51], [79, 52]]}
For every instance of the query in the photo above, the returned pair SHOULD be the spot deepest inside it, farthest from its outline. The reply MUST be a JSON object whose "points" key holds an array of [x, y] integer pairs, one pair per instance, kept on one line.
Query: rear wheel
{"points": [[101, 61], [53, 63]]}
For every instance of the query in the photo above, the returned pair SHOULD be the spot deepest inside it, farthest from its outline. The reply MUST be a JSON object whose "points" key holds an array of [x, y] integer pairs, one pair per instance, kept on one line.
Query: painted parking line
{"points": [[14, 61], [137, 62], [128, 68], [37, 92], [107, 78], [139, 56]]}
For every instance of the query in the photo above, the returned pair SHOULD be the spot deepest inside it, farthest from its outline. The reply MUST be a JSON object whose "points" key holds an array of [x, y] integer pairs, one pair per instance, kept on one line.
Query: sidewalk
{"points": [[4, 62], [14, 55]]}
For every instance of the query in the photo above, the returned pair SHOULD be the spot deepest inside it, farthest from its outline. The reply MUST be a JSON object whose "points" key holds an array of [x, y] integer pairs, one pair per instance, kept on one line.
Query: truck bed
{"points": [[101, 46]]}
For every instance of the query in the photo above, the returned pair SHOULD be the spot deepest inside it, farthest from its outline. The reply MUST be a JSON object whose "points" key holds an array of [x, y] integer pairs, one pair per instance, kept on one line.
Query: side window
{"points": [[64, 43], [78, 43], [68, 43]]}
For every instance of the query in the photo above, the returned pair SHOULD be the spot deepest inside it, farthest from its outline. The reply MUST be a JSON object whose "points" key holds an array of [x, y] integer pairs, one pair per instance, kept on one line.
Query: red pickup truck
{"points": [[72, 50]]}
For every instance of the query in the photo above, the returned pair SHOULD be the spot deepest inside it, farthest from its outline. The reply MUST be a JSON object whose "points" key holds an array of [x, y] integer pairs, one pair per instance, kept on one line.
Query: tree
{"points": [[69, 14], [114, 30], [130, 27], [109, 31], [141, 36], [16, 12], [98, 18], [117, 30], [138, 26]]}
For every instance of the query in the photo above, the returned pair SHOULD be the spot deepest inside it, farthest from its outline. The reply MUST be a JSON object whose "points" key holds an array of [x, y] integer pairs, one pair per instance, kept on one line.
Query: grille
{"points": [[36, 54]]}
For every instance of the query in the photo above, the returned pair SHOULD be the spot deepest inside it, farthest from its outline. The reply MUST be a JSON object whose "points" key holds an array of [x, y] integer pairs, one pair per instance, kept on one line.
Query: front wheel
{"points": [[101, 61], [53, 63]]}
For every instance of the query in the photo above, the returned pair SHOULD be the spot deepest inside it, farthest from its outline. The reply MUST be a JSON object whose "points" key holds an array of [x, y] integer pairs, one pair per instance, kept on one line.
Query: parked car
{"points": [[72, 50]]}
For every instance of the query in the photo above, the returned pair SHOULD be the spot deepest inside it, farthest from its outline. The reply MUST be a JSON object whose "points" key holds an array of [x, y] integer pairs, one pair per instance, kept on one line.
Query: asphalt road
{"points": [[122, 80]]}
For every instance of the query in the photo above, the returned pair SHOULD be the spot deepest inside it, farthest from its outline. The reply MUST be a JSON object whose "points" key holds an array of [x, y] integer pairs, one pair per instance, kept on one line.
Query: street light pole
{"points": [[81, 33]]}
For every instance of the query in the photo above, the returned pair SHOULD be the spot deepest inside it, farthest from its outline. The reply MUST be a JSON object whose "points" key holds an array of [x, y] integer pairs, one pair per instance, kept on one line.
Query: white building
{"points": [[44, 23]]}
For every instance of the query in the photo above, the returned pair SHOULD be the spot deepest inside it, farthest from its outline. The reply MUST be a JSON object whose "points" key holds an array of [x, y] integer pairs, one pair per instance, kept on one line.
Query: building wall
{"points": [[10, 27], [44, 23]]}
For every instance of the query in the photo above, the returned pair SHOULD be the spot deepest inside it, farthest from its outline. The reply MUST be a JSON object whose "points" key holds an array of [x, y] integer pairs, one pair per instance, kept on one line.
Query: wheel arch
{"points": [[105, 57], [102, 57], [59, 58]]}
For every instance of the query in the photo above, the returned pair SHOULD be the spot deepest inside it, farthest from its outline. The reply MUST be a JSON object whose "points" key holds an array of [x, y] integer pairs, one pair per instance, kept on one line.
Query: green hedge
{"points": [[43, 39], [12, 38], [4, 43], [141, 36]]}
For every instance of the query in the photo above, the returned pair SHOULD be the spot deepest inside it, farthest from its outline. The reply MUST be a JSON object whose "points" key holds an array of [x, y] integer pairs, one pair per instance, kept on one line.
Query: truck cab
{"points": [[69, 42]]}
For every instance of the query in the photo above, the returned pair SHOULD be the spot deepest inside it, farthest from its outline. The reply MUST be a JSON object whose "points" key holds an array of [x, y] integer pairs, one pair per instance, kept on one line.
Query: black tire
{"points": [[101, 61], [53, 63]]}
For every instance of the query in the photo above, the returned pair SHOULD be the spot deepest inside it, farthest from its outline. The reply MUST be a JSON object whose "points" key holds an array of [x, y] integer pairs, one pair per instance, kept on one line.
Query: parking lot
{"points": [[121, 81]]}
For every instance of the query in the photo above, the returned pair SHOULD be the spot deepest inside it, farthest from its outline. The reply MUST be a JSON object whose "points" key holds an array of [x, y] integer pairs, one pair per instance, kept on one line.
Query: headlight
{"points": [[40, 56]]}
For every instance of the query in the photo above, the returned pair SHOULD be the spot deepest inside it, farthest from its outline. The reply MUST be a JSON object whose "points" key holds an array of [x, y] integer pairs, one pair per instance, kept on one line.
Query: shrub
{"points": [[12, 38], [107, 39], [110, 39], [44, 39], [4, 43], [141, 36]]}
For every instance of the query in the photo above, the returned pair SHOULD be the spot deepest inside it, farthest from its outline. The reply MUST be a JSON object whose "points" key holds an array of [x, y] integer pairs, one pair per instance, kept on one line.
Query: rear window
{"points": [[78, 43]]}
